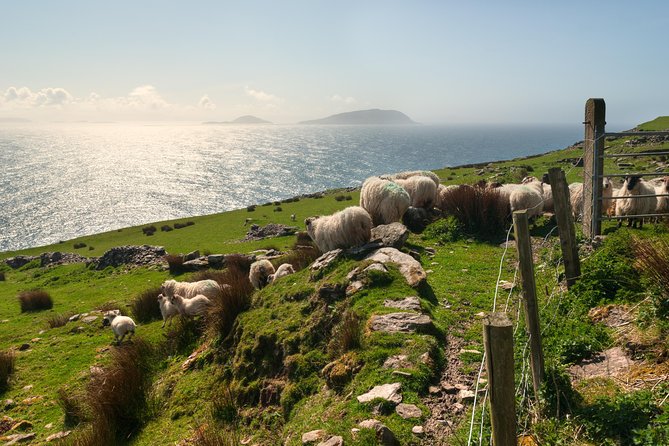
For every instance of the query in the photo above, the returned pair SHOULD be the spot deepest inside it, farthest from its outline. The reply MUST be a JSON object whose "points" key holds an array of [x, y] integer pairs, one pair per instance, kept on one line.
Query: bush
{"points": [[58, 320], [166, 228], [182, 336], [251, 208], [652, 261], [7, 364], [445, 230], [232, 300], [35, 300], [79, 245], [278, 209], [149, 230], [145, 306], [175, 263], [479, 210], [342, 197]]}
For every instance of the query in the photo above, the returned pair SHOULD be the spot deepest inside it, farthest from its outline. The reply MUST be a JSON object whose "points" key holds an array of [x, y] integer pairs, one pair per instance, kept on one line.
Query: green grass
{"points": [[658, 124]]}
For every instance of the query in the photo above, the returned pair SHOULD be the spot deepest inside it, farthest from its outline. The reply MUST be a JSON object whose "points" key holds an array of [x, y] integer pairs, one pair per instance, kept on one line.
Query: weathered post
{"points": [[563, 215], [529, 293], [498, 343], [593, 166]]}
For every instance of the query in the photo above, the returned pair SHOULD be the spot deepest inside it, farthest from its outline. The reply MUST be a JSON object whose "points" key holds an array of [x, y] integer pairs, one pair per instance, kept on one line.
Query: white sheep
{"points": [[543, 189], [444, 195], [635, 185], [576, 198], [167, 310], [526, 197], [209, 288], [412, 173], [344, 229], [283, 270], [260, 272], [422, 190], [120, 325], [194, 306], [662, 202], [384, 200], [292, 217]]}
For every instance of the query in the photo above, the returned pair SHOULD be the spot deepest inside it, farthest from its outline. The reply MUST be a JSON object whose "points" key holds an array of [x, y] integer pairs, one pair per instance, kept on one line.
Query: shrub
{"points": [[230, 302], [166, 228], [278, 209], [652, 260], [179, 225], [7, 363], [346, 335], [149, 230], [251, 208], [145, 306], [238, 261], [175, 263], [35, 300], [58, 320], [479, 210], [342, 197], [79, 245], [445, 230], [190, 223]]}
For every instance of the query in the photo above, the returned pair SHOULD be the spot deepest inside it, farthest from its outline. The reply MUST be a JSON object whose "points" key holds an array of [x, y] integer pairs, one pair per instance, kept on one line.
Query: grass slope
{"points": [[658, 124]]}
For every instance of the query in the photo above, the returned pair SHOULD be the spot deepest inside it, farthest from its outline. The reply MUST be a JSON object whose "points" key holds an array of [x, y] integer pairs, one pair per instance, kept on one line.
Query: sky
{"points": [[440, 62]]}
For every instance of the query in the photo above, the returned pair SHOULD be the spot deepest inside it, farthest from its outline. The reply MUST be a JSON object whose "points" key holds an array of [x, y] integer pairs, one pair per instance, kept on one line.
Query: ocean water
{"points": [[61, 181]]}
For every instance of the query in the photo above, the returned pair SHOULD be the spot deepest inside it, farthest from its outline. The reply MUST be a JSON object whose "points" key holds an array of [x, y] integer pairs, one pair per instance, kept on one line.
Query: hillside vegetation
{"points": [[658, 124], [265, 367]]}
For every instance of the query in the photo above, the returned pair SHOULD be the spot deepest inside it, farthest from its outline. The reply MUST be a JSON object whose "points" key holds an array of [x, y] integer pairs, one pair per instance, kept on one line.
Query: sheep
{"points": [[209, 288], [384, 200], [344, 229], [662, 202], [422, 190], [194, 306], [284, 269], [635, 185], [292, 217], [260, 272], [120, 325], [576, 198], [527, 197], [413, 173], [443, 195], [167, 310]]}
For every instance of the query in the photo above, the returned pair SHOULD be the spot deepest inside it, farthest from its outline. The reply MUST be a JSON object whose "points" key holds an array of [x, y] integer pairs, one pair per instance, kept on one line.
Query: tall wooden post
{"points": [[563, 215], [529, 293], [498, 343], [593, 166]]}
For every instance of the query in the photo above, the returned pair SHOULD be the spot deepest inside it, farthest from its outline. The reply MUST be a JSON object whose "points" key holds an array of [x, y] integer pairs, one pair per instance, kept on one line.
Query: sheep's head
{"points": [[631, 182], [546, 179], [167, 288], [309, 223], [416, 219], [109, 317], [606, 183]]}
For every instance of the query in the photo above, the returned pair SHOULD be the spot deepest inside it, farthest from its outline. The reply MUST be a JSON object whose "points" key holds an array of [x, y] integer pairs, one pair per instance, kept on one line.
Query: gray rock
{"points": [[333, 441], [313, 436], [270, 230], [74, 317], [216, 259], [397, 362], [418, 430], [408, 303], [61, 258], [19, 438], [19, 261], [466, 395], [89, 319], [393, 235], [326, 259], [58, 435], [384, 436], [407, 411], [132, 255], [192, 255], [354, 287], [401, 323], [388, 392], [409, 268], [195, 265]]}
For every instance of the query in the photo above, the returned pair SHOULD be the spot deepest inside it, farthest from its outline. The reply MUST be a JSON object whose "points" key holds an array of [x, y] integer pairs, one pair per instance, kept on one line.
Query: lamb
{"points": [[284, 269], [544, 190], [635, 185], [413, 173], [209, 288], [385, 200], [344, 229], [120, 325], [194, 306], [167, 310], [422, 190], [260, 272]]}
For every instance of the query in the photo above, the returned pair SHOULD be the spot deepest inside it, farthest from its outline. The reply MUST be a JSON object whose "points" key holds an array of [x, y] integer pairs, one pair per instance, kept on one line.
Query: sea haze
{"points": [[61, 181]]}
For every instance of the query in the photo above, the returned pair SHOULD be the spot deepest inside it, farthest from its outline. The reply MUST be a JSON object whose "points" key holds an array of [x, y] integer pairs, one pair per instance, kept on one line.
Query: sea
{"points": [[59, 181]]}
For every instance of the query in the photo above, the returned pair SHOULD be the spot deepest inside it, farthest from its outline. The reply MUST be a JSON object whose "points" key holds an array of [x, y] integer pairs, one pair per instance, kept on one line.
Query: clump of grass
{"points": [[79, 245], [149, 230], [2, 276], [239, 261], [58, 320], [182, 336], [446, 230], [110, 305], [346, 335], [652, 260], [72, 405], [35, 300], [145, 306], [231, 301], [7, 365], [206, 435], [224, 404], [166, 228], [251, 208], [91, 248], [479, 210], [278, 209], [342, 197], [175, 263]]}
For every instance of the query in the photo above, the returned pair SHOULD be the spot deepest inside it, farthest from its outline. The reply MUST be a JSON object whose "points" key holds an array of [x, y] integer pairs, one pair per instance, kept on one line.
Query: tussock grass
{"points": [[7, 365], [346, 335], [207, 435], [652, 261], [175, 263], [35, 300], [233, 299], [58, 320], [73, 406], [479, 210], [144, 307]]}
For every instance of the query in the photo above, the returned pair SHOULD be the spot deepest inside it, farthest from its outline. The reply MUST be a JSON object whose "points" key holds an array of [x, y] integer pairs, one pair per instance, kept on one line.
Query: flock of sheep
{"points": [[413, 198]]}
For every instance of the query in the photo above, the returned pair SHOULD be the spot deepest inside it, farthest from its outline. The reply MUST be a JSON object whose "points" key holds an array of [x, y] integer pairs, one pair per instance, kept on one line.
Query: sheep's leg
{"points": [[121, 340], [164, 321], [641, 223]]}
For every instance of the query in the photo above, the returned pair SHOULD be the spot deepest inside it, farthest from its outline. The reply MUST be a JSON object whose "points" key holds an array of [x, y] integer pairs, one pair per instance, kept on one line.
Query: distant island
{"points": [[247, 119], [365, 117]]}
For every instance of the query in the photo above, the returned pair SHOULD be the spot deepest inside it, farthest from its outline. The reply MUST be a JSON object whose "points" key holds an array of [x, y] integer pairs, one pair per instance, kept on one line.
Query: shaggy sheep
{"points": [[209, 288], [413, 173], [576, 198], [526, 197], [191, 307], [662, 202], [167, 310], [443, 195], [422, 190], [120, 325], [635, 185], [260, 272], [385, 200], [344, 229], [284, 269]]}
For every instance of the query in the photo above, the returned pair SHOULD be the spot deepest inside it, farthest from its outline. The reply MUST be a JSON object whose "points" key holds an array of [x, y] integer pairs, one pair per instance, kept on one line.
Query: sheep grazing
{"points": [[385, 200], [635, 185], [422, 190], [167, 310], [443, 195], [120, 325], [344, 229], [662, 202], [283, 270], [196, 305], [260, 272], [527, 198], [417, 219], [209, 288], [292, 217], [413, 173]]}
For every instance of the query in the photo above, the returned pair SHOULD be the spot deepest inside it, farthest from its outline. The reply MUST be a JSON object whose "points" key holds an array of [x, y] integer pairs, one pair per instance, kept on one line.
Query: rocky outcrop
{"points": [[270, 230], [61, 258], [401, 323], [19, 261], [135, 255], [408, 266], [393, 235]]}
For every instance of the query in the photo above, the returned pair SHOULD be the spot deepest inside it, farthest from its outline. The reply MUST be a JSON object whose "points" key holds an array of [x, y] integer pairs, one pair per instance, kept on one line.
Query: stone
{"points": [[466, 395], [408, 303], [31, 400], [61, 258], [407, 411], [354, 432], [58, 435], [9, 403], [397, 362], [313, 436], [74, 317], [418, 430], [426, 359], [376, 267], [27, 388], [19, 438], [89, 319], [19, 261], [49, 426], [359, 252], [409, 267], [471, 351], [216, 259], [354, 287], [393, 235], [433, 390], [192, 255], [326, 259], [22, 425], [195, 265], [333, 441], [449, 388], [384, 436], [256, 232], [401, 323], [388, 392], [400, 373], [24, 347], [131, 255]]}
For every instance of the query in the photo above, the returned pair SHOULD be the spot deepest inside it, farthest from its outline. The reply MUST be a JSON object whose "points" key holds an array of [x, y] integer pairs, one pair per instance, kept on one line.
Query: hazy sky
{"points": [[285, 61]]}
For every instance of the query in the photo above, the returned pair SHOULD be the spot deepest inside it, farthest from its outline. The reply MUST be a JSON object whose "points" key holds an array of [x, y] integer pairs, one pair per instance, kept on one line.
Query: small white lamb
{"points": [[284, 269], [191, 307], [120, 325], [167, 310]]}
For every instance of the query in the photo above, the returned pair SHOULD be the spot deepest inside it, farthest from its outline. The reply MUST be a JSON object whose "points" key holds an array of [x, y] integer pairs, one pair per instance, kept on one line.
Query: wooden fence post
{"points": [[498, 343], [593, 166], [563, 215], [529, 293]]}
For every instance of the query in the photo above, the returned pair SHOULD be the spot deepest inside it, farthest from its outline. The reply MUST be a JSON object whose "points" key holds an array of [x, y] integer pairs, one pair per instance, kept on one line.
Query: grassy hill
{"points": [[658, 124], [300, 351]]}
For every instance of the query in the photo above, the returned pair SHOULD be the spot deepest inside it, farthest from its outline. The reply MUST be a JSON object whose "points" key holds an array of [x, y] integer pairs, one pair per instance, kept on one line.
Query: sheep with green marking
{"points": [[384, 200]]}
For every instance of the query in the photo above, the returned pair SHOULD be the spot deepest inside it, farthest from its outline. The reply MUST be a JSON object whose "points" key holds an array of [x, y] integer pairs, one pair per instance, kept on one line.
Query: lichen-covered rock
{"points": [[408, 303], [393, 235], [388, 392], [401, 323], [61, 258], [410, 268], [131, 255]]}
